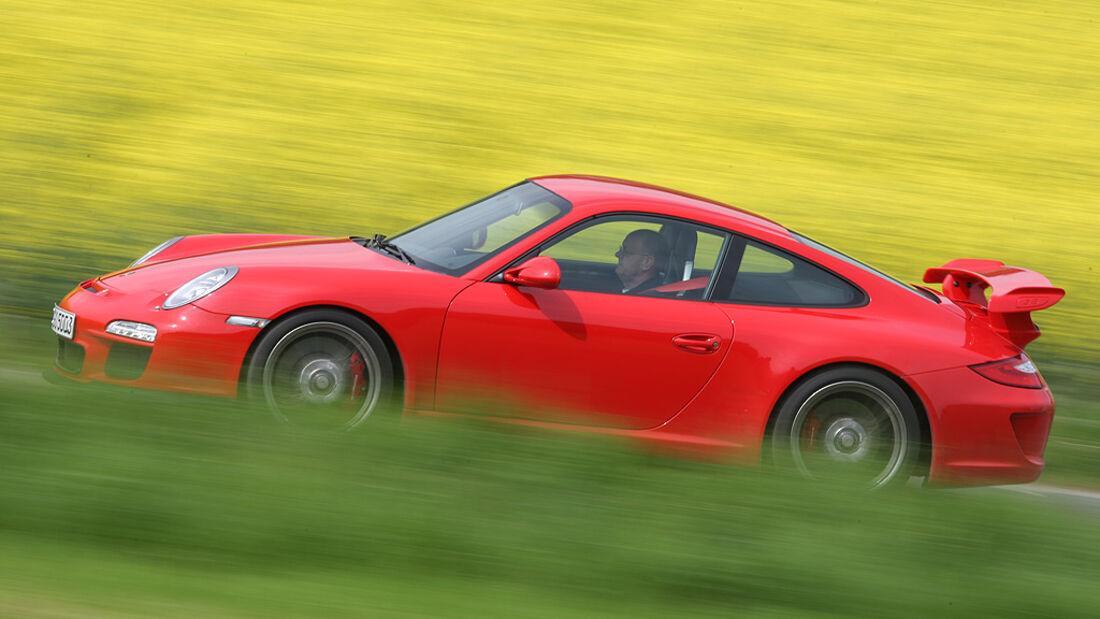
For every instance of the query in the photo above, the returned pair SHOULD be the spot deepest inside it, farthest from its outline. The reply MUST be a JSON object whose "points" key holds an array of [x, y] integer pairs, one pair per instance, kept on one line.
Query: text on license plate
{"points": [[63, 322]]}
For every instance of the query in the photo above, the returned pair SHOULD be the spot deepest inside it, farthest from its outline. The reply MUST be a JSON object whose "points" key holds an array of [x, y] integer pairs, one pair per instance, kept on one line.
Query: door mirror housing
{"points": [[538, 272]]}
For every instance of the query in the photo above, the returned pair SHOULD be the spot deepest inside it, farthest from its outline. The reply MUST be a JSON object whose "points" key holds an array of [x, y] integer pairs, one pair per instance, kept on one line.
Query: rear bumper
{"points": [[983, 432]]}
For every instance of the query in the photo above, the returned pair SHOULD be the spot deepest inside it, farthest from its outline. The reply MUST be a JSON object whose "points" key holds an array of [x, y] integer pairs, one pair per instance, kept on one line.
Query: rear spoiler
{"points": [[1014, 294]]}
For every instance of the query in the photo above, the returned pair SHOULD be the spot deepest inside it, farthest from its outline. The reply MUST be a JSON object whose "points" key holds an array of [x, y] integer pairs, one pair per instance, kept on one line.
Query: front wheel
{"points": [[321, 369], [848, 423]]}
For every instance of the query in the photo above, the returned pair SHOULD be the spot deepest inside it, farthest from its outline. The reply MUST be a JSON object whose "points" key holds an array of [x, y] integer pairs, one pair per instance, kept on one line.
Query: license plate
{"points": [[63, 322]]}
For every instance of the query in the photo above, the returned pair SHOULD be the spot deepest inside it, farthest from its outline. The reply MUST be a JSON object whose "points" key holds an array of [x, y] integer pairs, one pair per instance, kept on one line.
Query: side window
{"points": [[759, 261], [596, 244], [638, 254], [769, 276], [707, 250]]}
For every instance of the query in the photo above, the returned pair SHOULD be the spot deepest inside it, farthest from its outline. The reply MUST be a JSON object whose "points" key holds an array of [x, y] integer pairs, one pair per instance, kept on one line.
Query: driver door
{"points": [[577, 355]]}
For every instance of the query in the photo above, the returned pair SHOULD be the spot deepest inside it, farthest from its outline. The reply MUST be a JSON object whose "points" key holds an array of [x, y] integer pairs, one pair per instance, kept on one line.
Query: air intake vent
{"points": [[127, 361], [70, 356]]}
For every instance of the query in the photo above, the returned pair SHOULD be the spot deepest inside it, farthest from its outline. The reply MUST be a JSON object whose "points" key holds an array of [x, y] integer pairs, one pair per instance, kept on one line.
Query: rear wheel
{"points": [[322, 369], [848, 423]]}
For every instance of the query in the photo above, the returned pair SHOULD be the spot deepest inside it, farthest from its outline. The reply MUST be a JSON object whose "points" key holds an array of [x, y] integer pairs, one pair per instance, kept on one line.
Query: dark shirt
{"points": [[652, 282]]}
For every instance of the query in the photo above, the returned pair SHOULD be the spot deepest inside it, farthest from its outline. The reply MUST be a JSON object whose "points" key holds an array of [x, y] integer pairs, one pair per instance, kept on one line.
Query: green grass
{"points": [[136, 504], [1073, 450]]}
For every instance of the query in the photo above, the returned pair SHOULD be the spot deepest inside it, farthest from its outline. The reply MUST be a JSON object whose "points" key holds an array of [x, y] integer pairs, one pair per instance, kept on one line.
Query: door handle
{"points": [[699, 343]]}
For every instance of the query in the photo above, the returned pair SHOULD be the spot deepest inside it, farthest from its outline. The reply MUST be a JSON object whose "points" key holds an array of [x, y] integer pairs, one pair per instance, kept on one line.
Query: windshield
{"points": [[852, 261], [462, 239]]}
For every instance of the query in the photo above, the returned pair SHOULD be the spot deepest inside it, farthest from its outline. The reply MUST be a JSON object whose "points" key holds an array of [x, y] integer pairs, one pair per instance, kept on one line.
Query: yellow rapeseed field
{"points": [[906, 133]]}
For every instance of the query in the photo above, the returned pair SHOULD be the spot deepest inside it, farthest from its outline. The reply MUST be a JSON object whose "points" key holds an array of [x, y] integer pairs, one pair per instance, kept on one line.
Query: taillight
{"points": [[1018, 371]]}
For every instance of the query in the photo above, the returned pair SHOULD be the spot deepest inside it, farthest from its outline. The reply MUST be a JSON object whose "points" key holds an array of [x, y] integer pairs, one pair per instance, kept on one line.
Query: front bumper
{"points": [[983, 432], [195, 350]]}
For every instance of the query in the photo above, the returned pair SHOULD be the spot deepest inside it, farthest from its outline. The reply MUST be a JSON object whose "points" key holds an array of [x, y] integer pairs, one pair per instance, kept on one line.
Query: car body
{"points": [[757, 340]]}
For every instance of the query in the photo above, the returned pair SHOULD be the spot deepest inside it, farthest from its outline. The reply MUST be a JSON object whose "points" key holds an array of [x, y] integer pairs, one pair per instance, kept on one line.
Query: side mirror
{"points": [[538, 272]]}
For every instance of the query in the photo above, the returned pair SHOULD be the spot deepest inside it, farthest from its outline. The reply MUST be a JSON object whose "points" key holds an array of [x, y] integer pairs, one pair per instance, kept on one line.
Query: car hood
{"points": [[288, 257]]}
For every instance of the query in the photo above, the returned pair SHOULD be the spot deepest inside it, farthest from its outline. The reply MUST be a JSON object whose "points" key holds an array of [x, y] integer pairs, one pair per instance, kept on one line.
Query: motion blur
{"points": [[903, 133]]}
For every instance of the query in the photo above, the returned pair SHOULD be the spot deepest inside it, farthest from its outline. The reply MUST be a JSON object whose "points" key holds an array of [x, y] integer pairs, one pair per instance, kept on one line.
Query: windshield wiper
{"points": [[379, 241]]}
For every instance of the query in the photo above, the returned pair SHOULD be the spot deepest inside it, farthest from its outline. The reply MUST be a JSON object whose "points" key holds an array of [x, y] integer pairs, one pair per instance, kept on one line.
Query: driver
{"points": [[641, 257]]}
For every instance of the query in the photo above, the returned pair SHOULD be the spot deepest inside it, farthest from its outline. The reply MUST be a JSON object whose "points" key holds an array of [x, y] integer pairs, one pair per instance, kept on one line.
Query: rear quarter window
{"points": [[770, 276]]}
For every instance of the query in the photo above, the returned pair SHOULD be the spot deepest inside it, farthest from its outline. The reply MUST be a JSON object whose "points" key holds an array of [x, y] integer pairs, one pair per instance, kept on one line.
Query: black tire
{"points": [[321, 369], [849, 423]]}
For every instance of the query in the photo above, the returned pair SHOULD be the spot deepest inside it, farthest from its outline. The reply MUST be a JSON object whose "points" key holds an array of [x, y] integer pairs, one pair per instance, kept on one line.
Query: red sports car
{"points": [[600, 305]]}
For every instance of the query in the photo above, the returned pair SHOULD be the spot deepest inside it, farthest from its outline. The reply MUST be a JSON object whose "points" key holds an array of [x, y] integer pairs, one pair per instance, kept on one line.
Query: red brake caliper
{"points": [[358, 380], [809, 432]]}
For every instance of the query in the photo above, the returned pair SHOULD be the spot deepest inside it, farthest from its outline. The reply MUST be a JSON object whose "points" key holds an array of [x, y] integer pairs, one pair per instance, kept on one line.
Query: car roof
{"points": [[590, 191]]}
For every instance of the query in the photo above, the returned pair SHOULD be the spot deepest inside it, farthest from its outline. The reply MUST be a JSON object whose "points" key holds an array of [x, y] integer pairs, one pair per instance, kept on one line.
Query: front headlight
{"points": [[199, 287], [156, 250]]}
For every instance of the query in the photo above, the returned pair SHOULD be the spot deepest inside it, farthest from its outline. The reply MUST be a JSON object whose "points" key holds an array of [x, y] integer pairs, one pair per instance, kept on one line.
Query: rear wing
{"points": [[1013, 294]]}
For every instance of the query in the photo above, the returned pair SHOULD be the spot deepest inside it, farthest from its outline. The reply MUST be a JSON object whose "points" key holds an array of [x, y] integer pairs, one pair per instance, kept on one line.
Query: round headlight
{"points": [[156, 250], [199, 287]]}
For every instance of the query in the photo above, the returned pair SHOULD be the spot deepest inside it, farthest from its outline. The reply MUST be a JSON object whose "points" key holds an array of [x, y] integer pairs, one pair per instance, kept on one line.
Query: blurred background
{"points": [[903, 133]]}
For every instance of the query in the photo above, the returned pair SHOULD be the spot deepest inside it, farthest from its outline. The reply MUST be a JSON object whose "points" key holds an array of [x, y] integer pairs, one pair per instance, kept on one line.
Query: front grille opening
{"points": [[70, 356], [127, 361]]}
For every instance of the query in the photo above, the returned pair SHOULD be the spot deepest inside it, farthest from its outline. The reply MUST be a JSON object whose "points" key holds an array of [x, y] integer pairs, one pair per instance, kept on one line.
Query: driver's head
{"points": [[641, 257]]}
